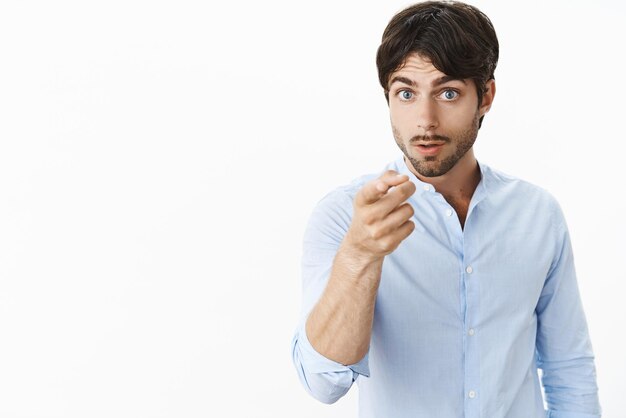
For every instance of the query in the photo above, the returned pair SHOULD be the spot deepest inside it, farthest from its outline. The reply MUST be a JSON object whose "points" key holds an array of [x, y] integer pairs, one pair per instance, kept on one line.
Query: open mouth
{"points": [[429, 149]]}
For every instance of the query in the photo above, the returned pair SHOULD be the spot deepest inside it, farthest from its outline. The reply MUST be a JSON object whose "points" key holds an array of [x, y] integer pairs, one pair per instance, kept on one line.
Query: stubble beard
{"points": [[432, 166]]}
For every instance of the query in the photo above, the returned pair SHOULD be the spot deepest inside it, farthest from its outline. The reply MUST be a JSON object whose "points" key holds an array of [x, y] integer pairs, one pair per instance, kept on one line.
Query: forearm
{"points": [[340, 325]]}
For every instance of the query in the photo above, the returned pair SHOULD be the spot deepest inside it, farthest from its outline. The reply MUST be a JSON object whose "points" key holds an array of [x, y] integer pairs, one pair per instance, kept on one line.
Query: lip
{"points": [[433, 150]]}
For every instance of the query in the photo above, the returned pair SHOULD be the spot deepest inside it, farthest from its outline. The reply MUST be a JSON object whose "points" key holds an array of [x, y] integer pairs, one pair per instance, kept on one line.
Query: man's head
{"points": [[436, 65]]}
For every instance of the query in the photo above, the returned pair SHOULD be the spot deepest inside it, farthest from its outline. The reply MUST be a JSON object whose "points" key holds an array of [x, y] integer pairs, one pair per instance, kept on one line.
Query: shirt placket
{"points": [[469, 304]]}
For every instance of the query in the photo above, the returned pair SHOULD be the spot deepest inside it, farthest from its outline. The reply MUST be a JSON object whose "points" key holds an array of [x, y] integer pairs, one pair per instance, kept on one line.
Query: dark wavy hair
{"points": [[457, 38]]}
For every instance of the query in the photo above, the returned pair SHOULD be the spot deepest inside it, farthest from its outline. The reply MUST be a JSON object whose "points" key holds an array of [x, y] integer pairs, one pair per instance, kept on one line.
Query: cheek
{"points": [[400, 116], [455, 118]]}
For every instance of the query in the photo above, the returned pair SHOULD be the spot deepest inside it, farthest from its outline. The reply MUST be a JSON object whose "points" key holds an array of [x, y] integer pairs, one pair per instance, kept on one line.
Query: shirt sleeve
{"points": [[564, 351], [325, 379]]}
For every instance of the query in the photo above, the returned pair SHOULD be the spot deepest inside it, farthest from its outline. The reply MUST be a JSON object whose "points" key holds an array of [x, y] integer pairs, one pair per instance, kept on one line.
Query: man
{"points": [[442, 285]]}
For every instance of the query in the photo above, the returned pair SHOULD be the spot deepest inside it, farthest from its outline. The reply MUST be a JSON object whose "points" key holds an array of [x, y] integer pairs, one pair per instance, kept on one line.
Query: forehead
{"points": [[420, 71], [415, 63]]}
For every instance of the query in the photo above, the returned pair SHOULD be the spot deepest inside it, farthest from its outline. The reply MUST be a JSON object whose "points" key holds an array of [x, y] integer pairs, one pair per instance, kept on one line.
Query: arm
{"points": [[340, 325], [330, 348], [564, 349]]}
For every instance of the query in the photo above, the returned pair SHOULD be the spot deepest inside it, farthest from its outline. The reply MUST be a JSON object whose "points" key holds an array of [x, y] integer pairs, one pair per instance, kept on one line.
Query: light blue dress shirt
{"points": [[464, 317]]}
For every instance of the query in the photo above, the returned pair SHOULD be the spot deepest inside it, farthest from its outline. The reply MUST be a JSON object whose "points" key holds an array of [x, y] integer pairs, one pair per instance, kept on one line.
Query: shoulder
{"points": [[508, 189], [526, 203]]}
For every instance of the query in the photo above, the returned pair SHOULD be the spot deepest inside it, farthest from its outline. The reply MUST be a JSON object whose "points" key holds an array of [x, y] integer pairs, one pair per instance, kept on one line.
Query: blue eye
{"points": [[406, 95], [450, 94]]}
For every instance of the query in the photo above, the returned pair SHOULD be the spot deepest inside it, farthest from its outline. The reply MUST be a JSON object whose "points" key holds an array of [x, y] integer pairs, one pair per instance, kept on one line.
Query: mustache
{"points": [[428, 138]]}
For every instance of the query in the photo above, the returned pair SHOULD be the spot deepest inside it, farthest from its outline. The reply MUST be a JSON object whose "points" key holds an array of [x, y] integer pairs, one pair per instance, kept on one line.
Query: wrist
{"points": [[358, 251], [358, 257]]}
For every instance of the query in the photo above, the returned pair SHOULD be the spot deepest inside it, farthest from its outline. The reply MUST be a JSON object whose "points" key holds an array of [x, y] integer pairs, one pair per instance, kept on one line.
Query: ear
{"points": [[490, 92]]}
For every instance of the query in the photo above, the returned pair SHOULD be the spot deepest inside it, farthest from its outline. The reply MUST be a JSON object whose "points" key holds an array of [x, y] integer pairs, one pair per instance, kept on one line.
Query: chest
{"points": [[497, 263]]}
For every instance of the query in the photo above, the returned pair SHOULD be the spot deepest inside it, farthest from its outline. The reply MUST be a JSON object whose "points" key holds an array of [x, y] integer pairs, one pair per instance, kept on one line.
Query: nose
{"points": [[426, 114]]}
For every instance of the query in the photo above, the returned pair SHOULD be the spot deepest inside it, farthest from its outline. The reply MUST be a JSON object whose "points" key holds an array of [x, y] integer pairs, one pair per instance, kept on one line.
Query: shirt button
{"points": [[426, 187], [469, 269], [471, 394], [471, 331], [449, 212]]}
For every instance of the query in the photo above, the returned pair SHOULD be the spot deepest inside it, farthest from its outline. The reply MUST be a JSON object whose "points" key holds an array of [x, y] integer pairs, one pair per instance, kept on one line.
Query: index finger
{"points": [[377, 188]]}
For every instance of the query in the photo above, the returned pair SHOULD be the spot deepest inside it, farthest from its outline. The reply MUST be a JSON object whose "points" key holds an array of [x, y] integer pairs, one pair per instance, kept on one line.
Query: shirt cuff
{"points": [[317, 363]]}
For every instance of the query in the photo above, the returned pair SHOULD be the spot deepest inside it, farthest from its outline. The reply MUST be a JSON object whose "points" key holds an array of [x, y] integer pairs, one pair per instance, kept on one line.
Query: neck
{"points": [[459, 183]]}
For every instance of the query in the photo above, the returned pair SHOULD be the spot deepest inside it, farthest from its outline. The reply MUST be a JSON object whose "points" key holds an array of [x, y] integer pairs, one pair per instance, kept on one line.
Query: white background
{"points": [[159, 161]]}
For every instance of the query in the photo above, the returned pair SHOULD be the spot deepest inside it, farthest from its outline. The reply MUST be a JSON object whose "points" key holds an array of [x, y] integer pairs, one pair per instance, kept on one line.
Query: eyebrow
{"points": [[437, 82]]}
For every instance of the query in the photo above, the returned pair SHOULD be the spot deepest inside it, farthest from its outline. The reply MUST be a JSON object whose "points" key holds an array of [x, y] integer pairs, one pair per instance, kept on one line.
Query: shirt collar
{"points": [[480, 193]]}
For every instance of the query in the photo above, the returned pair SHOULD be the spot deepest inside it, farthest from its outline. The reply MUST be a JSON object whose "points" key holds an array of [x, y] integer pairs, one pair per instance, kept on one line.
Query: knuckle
{"points": [[376, 233], [361, 195], [388, 244], [409, 210], [408, 189], [368, 219]]}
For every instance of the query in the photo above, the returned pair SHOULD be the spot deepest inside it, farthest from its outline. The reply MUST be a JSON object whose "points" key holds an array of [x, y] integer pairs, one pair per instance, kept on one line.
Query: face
{"points": [[434, 117]]}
